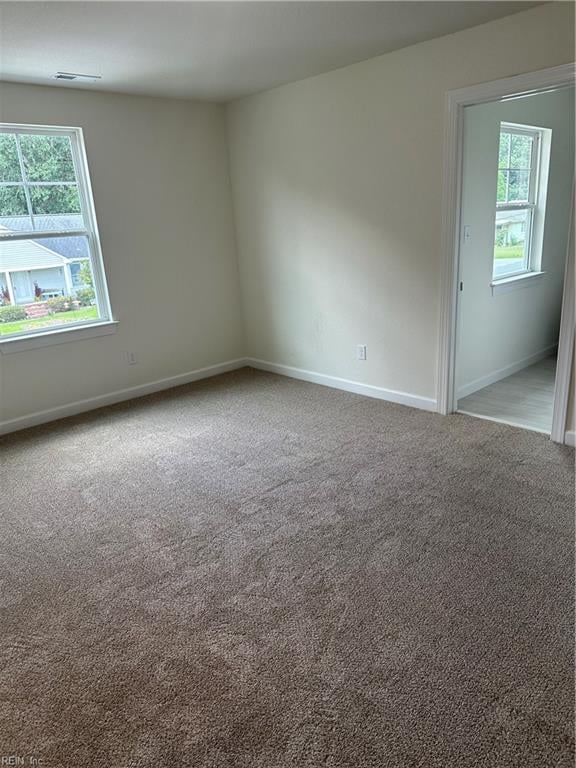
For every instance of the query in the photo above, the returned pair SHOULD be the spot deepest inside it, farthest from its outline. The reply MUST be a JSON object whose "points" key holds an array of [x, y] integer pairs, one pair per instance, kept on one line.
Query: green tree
{"points": [[86, 274], [45, 159], [9, 165], [514, 161]]}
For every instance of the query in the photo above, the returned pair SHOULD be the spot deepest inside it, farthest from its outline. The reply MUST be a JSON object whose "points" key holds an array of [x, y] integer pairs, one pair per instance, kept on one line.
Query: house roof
{"points": [[69, 247], [27, 254]]}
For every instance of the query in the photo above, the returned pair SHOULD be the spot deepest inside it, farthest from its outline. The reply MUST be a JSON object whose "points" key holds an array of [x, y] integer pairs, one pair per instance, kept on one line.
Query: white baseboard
{"points": [[91, 403], [570, 438], [502, 373], [130, 393], [391, 395]]}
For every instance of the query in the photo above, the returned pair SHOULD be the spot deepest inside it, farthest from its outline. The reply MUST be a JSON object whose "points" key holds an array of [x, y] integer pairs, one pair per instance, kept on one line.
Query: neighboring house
{"points": [[510, 227], [25, 263]]}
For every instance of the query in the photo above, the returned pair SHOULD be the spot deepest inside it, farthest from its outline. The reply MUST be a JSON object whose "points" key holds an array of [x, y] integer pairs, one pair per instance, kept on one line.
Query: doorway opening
{"points": [[508, 310]]}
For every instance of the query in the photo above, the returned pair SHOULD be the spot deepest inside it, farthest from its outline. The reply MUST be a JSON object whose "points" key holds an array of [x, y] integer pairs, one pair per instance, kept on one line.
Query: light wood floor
{"points": [[526, 398]]}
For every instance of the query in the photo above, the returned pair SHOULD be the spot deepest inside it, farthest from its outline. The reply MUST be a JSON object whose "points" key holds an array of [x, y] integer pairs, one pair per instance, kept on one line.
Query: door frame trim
{"points": [[455, 102], [565, 343]]}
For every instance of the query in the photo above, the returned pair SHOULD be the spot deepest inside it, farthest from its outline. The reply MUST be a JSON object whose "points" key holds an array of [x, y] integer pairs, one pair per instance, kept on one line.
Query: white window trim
{"points": [[511, 283], [532, 205], [54, 334]]}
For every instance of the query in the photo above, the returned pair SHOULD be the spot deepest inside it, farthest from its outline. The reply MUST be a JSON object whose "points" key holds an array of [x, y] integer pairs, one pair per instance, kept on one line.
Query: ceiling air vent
{"points": [[76, 76]]}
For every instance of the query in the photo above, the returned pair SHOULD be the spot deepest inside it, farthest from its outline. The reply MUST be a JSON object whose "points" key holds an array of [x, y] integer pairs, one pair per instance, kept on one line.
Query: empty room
{"points": [[287, 384]]}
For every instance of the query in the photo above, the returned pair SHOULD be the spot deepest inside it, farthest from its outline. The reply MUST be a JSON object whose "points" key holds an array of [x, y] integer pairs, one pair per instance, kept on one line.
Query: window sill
{"points": [[57, 336], [508, 284]]}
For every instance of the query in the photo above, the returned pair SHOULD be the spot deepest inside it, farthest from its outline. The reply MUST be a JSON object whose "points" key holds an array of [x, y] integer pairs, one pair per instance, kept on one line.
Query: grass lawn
{"points": [[509, 252], [61, 318]]}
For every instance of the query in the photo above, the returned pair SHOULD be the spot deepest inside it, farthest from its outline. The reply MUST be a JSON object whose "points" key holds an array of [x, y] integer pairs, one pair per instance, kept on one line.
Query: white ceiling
{"points": [[215, 50]]}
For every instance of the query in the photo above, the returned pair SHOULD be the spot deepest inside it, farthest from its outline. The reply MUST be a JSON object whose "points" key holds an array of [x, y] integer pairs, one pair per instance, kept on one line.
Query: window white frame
{"points": [[89, 231], [532, 260], [456, 101]]}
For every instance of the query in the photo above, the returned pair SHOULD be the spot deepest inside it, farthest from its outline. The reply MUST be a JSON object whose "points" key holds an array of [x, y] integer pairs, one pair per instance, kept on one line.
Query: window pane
{"points": [[71, 248], [47, 158], [15, 223], [520, 151], [9, 164], [51, 284], [54, 199], [518, 186], [62, 221], [502, 186], [503, 150], [510, 243], [79, 273], [13, 201], [45, 282]]}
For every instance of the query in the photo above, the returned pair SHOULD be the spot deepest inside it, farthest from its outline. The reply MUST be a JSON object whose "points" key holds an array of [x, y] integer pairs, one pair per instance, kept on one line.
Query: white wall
{"points": [[160, 178], [497, 332], [337, 194]]}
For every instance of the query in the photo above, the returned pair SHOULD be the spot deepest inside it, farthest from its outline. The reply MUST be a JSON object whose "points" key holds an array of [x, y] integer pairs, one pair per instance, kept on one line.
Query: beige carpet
{"points": [[255, 572]]}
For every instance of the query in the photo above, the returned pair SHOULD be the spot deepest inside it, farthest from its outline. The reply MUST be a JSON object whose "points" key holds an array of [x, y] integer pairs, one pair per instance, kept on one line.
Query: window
{"points": [[51, 273], [517, 201]]}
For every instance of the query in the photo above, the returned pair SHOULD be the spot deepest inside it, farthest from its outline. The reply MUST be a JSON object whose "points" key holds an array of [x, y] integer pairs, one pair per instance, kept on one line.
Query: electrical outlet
{"points": [[131, 357], [361, 351]]}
